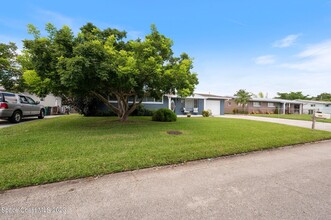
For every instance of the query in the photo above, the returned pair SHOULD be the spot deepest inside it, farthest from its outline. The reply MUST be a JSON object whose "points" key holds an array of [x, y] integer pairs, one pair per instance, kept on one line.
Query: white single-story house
{"points": [[309, 106], [49, 101], [194, 104]]}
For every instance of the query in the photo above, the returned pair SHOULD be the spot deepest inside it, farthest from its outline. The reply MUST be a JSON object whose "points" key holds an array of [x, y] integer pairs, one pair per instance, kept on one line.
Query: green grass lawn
{"points": [[293, 116], [68, 147]]}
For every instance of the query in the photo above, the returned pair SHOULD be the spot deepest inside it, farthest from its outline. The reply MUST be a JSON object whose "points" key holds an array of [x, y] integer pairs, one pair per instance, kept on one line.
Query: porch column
{"points": [[289, 108], [284, 106], [300, 109], [204, 104], [169, 102]]}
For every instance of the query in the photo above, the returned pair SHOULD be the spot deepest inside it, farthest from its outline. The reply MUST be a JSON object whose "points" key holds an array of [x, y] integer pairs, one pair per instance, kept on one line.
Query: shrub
{"points": [[235, 111], [142, 111], [165, 115], [276, 111], [206, 113]]}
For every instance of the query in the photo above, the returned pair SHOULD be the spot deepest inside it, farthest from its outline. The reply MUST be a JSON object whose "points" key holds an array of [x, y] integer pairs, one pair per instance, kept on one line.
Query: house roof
{"points": [[210, 96], [276, 100], [314, 102], [201, 96], [271, 100]]}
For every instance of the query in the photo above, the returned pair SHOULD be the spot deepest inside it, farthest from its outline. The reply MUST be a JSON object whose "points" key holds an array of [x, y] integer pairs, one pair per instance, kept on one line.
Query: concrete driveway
{"points": [[290, 183], [299, 123]]}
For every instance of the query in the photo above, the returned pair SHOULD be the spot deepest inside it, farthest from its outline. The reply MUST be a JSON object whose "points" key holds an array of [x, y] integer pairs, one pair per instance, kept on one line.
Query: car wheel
{"points": [[16, 117], [41, 114]]}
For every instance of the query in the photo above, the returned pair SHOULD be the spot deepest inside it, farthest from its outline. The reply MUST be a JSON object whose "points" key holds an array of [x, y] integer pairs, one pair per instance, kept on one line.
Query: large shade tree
{"points": [[10, 70], [291, 95], [104, 64]]}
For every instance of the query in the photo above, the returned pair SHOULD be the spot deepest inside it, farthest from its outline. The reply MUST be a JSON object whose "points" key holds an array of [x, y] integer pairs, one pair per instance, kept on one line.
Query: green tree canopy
{"points": [[104, 64], [323, 97], [291, 96], [242, 97], [10, 72]]}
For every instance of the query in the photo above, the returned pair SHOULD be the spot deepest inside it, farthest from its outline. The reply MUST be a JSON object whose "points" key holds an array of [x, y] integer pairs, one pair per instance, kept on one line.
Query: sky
{"points": [[261, 46]]}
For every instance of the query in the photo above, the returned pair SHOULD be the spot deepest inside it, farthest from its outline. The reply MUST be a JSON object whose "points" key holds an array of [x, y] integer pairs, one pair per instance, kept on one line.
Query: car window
{"points": [[1, 99], [9, 98], [23, 99], [30, 100]]}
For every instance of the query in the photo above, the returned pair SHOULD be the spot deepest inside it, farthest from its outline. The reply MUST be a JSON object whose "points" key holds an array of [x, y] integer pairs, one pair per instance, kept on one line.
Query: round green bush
{"points": [[165, 115]]}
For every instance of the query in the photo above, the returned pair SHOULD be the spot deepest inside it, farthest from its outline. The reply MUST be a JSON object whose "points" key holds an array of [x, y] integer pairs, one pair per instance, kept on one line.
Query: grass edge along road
{"points": [[69, 147], [302, 117]]}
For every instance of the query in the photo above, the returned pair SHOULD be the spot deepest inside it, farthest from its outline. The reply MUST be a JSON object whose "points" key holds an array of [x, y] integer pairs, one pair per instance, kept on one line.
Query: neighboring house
{"points": [[309, 106], [194, 104], [49, 101], [265, 106]]}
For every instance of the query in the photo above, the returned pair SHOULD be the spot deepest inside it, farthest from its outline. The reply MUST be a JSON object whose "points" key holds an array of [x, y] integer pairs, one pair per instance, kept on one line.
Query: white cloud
{"points": [[315, 58], [264, 60], [54, 17], [286, 41]]}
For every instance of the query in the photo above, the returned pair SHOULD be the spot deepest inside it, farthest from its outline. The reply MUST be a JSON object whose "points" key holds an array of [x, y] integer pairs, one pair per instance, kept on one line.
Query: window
{"points": [[9, 98], [23, 100], [145, 100], [229, 103], [31, 101], [312, 105], [256, 104], [196, 103], [327, 105], [271, 104]]}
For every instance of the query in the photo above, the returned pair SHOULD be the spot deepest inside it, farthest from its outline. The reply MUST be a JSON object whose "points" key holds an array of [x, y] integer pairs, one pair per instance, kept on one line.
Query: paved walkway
{"points": [[299, 123], [289, 183]]}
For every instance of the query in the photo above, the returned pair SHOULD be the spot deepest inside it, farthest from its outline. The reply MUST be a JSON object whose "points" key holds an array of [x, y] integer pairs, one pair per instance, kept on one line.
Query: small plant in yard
{"points": [[206, 113], [189, 115], [165, 115]]}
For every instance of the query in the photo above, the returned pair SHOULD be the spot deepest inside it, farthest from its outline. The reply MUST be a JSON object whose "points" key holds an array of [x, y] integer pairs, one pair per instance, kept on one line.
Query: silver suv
{"points": [[16, 106]]}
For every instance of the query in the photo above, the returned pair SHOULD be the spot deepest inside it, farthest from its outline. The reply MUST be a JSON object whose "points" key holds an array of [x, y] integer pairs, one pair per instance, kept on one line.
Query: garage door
{"points": [[214, 106]]}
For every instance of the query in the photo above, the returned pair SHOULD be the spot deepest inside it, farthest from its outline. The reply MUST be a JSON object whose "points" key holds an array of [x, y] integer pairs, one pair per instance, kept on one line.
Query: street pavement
{"points": [[299, 123], [287, 183]]}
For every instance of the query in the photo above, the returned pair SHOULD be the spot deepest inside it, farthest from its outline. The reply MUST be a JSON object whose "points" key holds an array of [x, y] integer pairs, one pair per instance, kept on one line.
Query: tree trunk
{"points": [[123, 110]]}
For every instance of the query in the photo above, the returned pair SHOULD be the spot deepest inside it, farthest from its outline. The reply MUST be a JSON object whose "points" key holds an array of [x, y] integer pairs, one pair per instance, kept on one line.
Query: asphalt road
{"points": [[287, 183], [299, 123]]}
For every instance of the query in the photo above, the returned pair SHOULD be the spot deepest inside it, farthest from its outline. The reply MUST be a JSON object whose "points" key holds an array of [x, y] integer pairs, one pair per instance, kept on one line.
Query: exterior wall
{"points": [[222, 107], [263, 109], [318, 107], [230, 105], [155, 106], [50, 100], [180, 104], [201, 106]]}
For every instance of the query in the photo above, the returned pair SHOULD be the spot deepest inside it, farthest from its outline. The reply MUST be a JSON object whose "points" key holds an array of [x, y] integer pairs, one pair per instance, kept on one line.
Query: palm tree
{"points": [[242, 98]]}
